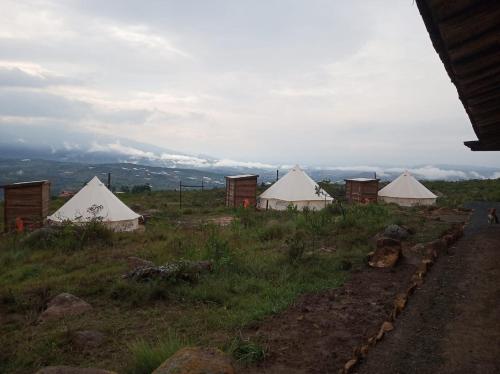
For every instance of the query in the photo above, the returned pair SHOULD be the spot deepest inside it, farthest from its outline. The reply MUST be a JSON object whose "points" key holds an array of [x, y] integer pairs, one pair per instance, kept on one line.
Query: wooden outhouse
{"points": [[241, 190], [26, 204], [361, 190]]}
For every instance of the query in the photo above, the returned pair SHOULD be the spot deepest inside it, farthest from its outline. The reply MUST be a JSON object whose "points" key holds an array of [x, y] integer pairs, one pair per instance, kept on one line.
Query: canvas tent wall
{"points": [[295, 188], [114, 213], [405, 190]]}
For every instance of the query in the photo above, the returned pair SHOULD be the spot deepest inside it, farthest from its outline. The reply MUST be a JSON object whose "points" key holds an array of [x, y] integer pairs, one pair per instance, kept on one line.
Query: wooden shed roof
{"points": [[25, 184], [466, 35], [242, 176]]}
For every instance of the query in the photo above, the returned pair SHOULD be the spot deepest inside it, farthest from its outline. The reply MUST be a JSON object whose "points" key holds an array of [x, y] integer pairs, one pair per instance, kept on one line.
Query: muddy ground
{"points": [[452, 323], [318, 333], [459, 303]]}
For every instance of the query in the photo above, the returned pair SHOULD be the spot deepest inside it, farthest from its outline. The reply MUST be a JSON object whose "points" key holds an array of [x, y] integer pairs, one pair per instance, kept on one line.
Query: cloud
{"points": [[140, 36], [432, 172], [33, 103], [429, 172], [121, 149], [495, 175], [349, 82], [239, 164]]}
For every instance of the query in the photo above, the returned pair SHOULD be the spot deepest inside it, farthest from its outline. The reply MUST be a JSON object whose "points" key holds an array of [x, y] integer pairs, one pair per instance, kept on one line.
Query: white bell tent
{"points": [[94, 200], [405, 190], [295, 188]]}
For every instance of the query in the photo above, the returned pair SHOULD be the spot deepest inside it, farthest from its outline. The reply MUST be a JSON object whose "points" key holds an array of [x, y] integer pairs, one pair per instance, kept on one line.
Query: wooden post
{"points": [[109, 181], [277, 174]]}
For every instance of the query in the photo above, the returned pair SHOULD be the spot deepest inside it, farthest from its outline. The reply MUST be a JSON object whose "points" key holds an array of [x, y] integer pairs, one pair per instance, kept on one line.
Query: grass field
{"points": [[262, 262]]}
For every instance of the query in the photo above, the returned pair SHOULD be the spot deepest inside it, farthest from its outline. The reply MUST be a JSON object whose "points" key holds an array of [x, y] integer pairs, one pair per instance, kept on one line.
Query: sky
{"points": [[318, 82]]}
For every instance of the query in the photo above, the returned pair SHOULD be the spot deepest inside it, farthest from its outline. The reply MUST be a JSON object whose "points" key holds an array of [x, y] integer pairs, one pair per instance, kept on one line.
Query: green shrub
{"points": [[146, 357], [216, 247], [246, 351], [246, 216], [274, 230], [296, 246]]}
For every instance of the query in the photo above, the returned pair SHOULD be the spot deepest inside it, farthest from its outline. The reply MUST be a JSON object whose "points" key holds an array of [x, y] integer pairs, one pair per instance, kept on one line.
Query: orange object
{"points": [[246, 203], [19, 224]]}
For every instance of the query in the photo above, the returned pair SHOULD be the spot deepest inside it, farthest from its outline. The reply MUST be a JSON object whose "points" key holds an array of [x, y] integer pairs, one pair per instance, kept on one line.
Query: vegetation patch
{"points": [[262, 262]]}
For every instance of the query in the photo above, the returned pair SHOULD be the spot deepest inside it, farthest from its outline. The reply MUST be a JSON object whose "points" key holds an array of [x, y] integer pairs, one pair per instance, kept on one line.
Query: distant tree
{"points": [[125, 189], [141, 188]]}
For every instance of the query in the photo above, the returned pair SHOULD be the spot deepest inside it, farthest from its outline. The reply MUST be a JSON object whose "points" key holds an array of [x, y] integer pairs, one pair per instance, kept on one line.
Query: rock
{"points": [[387, 253], [87, 339], [193, 360], [449, 239], [438, 245], [396, 232], [350, 365], [185, 270], [72, 370], [64, 305], [137, 262], [386, 327], [387, 242], [400, 303]]}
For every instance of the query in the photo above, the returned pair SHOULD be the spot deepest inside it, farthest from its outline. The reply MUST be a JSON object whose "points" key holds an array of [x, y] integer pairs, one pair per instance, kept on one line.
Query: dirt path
{"points": [[452, 323]]}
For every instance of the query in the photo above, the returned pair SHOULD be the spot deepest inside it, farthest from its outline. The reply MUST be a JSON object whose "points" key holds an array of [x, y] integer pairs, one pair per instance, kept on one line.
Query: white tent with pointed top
{"points": [[295, 188], [94, 200], [405, 190]]}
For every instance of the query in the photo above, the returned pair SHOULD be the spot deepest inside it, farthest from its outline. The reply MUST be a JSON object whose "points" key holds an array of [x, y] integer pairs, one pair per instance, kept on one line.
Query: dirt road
{"points": [[452, 323]]}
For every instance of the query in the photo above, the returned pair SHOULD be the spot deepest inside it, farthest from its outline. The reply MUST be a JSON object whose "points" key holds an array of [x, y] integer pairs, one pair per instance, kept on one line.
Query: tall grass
{"points": [[147, 356]]}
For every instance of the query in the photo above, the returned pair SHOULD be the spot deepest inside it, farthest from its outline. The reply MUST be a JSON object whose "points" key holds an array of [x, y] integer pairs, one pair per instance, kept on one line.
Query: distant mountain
{"points": [[20, 142], [72, 176], [72, 153]]}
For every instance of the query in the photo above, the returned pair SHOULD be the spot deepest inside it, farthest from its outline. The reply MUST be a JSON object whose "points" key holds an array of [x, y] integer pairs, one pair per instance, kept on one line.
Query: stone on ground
{"points": [[197, 361], [88, 339], [64, 305], [387, 253], [396, 232]]}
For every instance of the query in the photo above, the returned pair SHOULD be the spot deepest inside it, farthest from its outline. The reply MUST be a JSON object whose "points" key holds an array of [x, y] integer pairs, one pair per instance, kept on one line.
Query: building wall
{"points": [[30, 203], [361, 191], [275, 204], [407, 201], [239, 190]]}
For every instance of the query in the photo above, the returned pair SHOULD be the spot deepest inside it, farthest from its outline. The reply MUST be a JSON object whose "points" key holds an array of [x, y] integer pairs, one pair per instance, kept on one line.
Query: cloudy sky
{"points": [[317, 82]]}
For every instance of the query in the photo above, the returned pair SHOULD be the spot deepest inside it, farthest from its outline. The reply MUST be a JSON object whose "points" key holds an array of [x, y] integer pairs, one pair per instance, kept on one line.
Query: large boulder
{"points": [[72, 370], [63, 305], [396, 232], [387, 253], [87, 339], [193, 360]]}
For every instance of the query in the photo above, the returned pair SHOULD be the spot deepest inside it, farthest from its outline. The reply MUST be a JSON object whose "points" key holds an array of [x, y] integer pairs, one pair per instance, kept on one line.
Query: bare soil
{"points": [[317, 334], [452, 323]]}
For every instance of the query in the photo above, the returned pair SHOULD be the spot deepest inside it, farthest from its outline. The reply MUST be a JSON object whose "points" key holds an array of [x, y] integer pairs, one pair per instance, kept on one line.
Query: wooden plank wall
{"points": [[361, 191], [30, 203], [239, 190], [245, 189]]}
